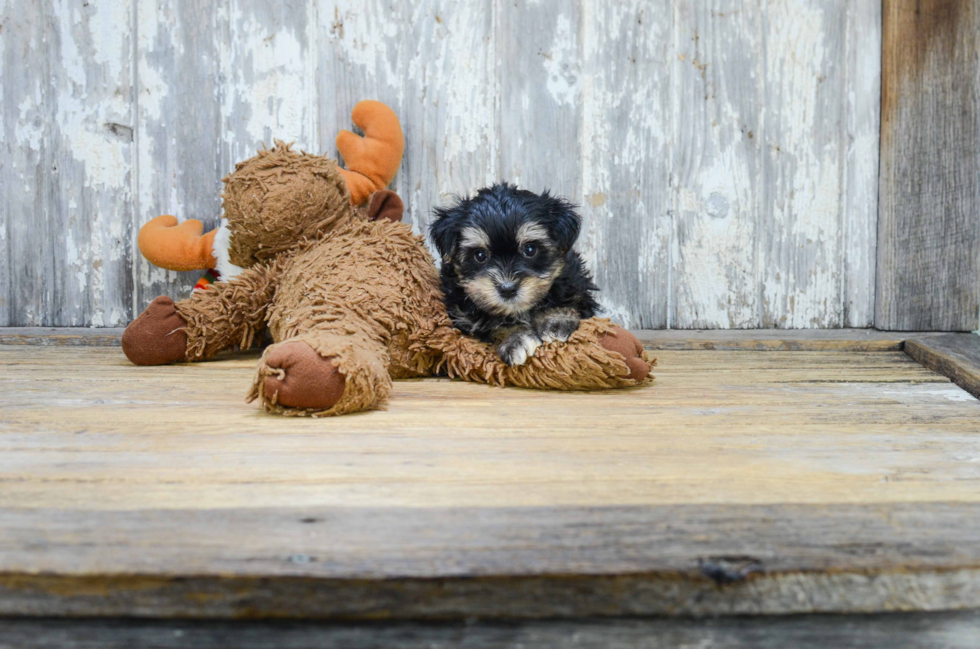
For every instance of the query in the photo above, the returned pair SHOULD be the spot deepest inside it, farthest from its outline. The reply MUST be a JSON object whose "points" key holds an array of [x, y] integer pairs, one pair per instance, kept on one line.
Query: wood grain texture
{"points": [[66, 336], [956, 356], [861, 132], [813, 340], [716, 166], [949, 630], [772, 227], [689, 222], [178, 129], [218, 79], [810, 340], [511, 562], [739, 482], [67, 163], [625, 166], [804, 403], [929, 186]]}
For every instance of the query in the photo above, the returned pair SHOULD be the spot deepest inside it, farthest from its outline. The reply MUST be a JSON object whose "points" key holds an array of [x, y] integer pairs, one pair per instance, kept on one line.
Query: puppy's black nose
{"points": [[507, 289]]}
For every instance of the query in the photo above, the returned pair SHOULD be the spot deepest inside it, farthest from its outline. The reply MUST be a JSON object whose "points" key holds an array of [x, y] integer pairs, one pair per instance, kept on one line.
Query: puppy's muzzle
{"points": [[508, 289]]}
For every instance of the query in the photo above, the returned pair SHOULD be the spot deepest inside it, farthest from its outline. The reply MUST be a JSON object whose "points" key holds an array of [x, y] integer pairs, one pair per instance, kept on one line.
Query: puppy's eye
{"points": [[480, 255], [529, 250]]}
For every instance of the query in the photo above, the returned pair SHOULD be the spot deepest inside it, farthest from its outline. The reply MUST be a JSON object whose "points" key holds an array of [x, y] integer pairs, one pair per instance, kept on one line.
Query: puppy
{"points": [[509, 274]]}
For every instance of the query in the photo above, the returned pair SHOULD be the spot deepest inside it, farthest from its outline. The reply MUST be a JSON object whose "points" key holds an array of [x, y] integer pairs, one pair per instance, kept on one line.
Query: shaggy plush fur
{"points": [[363, 295], [509, 273]]}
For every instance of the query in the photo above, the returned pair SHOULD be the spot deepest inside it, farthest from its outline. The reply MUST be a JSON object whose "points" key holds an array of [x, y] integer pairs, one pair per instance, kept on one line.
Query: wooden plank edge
{"points": [[955, 356], [488, 597], [956, 629], [810, 340], [855, 340], [61, 336]]}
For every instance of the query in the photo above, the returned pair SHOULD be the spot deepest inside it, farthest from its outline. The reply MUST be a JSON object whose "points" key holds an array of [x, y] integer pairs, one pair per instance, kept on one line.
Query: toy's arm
{"points": [[229, 313], [371, 160], [599, 355]]}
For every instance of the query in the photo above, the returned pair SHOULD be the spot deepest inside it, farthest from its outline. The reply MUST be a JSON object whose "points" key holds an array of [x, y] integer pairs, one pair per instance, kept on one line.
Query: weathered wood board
{"points": [[928, 226], [948, 630], [740, 482], [956, 356], [724, 153], [67, 164]]}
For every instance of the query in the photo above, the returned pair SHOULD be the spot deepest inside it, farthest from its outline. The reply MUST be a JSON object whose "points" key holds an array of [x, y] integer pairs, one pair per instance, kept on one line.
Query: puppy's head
{"points": [[506, 245]]}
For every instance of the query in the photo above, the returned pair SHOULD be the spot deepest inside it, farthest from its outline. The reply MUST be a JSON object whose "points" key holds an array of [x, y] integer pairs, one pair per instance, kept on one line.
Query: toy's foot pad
{"points": [[298, 377], [630, 348], [157, 336]]}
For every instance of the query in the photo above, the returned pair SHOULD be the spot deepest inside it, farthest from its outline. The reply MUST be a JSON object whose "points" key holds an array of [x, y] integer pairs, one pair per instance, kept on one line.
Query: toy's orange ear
{"points": [[385, 205], [174, 246], [371, 160]]}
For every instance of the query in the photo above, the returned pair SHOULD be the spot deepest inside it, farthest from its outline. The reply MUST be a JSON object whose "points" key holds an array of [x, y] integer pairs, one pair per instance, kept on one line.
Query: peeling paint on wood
{"points": [[67, 185], [724, 154]]}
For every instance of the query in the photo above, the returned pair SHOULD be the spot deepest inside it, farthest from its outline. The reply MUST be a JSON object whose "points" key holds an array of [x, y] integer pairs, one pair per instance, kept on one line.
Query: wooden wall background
{"points": [[724, 152]]}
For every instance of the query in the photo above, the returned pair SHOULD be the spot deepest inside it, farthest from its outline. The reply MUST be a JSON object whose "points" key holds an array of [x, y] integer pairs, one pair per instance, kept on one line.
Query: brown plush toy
{"points": [[317, 255]]}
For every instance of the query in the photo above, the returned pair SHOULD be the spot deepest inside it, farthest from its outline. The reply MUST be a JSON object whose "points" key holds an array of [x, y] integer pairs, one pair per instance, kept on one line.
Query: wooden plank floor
{"points": [[738, 482]]}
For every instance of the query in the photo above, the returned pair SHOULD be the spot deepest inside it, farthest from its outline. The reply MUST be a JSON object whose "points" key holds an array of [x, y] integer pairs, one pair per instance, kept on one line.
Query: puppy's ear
{"points": [[564, 222], [444, 231]]}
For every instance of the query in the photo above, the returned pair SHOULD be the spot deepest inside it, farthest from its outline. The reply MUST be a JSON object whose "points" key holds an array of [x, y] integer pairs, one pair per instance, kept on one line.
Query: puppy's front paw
{"points": [[556, 324], [517, 347]]}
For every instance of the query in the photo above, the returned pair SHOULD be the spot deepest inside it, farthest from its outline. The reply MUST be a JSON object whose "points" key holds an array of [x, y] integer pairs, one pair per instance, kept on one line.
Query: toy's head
{"points": [[280, 198]]}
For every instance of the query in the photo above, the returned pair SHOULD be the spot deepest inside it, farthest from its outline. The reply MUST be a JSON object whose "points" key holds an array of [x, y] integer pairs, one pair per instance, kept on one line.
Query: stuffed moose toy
{"points": [[317, 255]]}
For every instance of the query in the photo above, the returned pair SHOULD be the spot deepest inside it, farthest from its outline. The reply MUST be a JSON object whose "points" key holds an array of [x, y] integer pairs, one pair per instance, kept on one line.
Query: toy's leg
{"points": [[194, 329], [599, 355], [323, 373]]}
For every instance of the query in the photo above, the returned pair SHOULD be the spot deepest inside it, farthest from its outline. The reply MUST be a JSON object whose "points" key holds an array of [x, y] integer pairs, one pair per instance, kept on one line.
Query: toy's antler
{"points": [[371, 160], [168, 244]]}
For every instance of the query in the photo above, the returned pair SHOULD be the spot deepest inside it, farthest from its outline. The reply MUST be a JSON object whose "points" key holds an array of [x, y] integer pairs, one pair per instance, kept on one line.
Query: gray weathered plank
{"points": [[68, 163], [434, 63], [266, 76], [718, 98], [929, 187], [955, 356], [857, 340], [509, 562], [624, 137], [854, 340], [946, 630], [541, 80], [178, 128], [860, 127], [801, 146], [217, 81], [774, 218], [640, 113]]}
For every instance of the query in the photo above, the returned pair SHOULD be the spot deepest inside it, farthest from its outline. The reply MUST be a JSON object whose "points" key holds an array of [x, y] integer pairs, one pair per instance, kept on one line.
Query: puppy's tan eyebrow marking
{"points": [[531, 231], [474, 238]]}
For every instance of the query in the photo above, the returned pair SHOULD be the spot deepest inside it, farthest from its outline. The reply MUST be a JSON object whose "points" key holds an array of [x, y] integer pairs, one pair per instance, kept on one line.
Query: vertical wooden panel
{"points": [[723, 153], [67, 81], [929, 186], [540, 95], [718, 99], [179, 126], [217, 79], [434, 63], [624, 137], [802, 153], [266, 76], [6, 186], [859, 205]]}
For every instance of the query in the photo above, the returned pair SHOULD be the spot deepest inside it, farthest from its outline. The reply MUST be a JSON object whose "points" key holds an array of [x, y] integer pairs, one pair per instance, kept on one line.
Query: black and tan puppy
{"points": [[509, 273]]}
